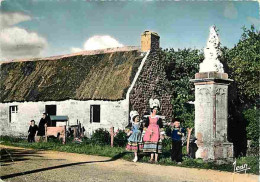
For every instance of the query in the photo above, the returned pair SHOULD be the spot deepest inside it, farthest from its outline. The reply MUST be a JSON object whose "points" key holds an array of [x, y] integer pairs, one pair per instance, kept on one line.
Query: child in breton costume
{"points": [[134, 129]]}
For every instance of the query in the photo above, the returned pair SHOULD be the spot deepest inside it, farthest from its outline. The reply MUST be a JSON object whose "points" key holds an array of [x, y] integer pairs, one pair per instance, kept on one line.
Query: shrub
{"points": [[11, 139], [120, 139], [167, 143], [101, 137], [251, 161], [252, 118]]}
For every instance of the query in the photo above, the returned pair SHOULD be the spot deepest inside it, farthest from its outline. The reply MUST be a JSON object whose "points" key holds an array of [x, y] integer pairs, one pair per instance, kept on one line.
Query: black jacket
{"points": [[32, 130], [41, 131]]}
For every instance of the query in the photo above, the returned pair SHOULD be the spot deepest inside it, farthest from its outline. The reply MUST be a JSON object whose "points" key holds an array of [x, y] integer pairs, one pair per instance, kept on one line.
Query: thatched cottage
{"points": [[98, 88]]}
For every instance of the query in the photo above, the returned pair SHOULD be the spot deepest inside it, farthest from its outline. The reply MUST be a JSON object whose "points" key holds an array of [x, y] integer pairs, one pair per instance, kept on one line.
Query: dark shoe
{"points": [[151, 161]]}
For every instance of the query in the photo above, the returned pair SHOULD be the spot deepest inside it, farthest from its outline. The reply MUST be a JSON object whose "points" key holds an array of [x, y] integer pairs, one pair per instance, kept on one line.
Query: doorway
{"points": [[51, 109]]}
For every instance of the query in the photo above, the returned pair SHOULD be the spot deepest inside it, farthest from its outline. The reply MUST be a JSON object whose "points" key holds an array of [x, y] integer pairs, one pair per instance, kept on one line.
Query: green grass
{"points": [[88, 147]]}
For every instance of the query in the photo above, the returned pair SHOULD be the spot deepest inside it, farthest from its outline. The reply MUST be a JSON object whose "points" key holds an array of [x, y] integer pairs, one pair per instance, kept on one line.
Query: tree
{"points": [[180, 67], [244, 63], [252, 118]]}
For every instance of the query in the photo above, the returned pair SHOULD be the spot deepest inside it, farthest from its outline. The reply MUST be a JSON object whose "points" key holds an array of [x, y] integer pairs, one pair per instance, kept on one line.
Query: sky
{"points": [[41, 28]]}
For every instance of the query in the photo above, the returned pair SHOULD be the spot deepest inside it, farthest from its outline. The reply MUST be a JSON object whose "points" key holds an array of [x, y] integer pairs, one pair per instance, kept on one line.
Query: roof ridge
{"points": [[88, 52]]}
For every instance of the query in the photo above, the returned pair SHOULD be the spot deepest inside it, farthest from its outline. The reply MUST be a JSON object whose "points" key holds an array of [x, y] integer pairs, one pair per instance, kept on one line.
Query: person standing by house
{"points": [[177, 133], [152, 139], [135, 132], [42, 124], [33, 129]]}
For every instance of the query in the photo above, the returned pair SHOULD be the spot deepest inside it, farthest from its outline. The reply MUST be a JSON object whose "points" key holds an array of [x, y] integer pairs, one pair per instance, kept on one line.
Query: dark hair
{"points": [[32, 121], [154, 108], [45, 113], [176, 119], [134, 117]]}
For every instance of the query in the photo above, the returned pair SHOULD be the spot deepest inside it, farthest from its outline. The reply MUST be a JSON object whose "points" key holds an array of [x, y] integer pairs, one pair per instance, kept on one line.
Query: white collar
{"points": [[156, 116]]}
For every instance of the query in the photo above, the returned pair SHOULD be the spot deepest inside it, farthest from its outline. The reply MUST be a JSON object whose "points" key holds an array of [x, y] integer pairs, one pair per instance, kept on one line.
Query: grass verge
{"points": [[90, 148]]}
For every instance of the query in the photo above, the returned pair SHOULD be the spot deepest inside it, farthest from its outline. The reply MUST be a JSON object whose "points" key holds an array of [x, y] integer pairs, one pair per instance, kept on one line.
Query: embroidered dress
{"points": [[135, 140], [151, 138]]}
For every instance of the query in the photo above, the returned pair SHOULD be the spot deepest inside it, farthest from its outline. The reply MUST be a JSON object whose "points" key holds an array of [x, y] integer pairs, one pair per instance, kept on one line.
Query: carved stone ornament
{"points": [[204, 94], [221, 91], [211, 54]]}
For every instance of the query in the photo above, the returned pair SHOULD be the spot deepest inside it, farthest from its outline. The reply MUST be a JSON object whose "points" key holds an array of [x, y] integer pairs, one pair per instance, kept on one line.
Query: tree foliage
{"points": [[252, 118], [181, 66], [244, 65]]}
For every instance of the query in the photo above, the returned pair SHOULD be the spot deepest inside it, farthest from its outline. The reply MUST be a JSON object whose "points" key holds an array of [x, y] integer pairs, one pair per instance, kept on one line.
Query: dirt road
{"points": [[18, 164]]}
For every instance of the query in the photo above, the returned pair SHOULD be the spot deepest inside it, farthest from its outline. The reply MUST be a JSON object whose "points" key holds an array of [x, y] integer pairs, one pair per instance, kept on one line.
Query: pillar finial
{"points": [[211, 53]]}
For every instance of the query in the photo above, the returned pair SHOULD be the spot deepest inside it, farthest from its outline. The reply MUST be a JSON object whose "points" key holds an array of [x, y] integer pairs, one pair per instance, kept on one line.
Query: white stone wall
{"points": [[112, 113]]}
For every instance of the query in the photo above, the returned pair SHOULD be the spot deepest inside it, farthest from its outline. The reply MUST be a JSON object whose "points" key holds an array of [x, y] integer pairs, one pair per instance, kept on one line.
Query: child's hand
{"points": [[162, 137], [127, 131]]}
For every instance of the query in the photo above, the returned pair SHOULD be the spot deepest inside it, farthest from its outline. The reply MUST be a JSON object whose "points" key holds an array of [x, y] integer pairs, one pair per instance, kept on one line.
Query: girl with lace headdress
{"points": [[152, 137], [135, 132]]}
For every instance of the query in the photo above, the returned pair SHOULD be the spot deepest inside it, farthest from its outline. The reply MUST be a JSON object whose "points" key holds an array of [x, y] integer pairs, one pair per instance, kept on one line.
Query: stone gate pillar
{"points": [[211, 104]]}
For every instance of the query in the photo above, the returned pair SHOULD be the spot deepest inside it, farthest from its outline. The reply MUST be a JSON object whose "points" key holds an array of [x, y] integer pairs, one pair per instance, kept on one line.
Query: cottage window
{"points": [[13, 110], [95, 113]]}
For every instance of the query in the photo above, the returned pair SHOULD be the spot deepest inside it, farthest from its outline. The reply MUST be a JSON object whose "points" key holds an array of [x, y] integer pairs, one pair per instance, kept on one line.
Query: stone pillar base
{"points": [[215, 151]]}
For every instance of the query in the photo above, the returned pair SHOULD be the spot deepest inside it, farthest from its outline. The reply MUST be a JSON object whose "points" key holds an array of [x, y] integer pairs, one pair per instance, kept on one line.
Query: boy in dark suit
{"points": [[176, 135], [33, 129]]}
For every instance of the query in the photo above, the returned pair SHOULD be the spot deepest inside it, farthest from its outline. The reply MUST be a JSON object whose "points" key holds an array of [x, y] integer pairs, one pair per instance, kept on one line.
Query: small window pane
{"points": [[14, 109], [95, 113]]}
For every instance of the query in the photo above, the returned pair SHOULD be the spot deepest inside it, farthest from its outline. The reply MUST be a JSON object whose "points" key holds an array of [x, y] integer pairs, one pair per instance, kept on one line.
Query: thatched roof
{"points": [[104, 75]]}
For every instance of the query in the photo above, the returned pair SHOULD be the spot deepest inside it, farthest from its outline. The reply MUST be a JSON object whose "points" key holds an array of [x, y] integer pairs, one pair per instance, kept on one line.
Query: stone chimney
{"points": [[150, 41]]}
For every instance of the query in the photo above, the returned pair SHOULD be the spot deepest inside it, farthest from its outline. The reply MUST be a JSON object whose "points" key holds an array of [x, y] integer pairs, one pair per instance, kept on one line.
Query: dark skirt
{"points": [[41, 131]]}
